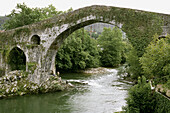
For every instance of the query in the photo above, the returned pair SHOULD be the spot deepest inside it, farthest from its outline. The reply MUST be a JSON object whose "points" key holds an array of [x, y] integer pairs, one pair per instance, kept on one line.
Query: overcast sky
{"points": [[161, 6]]}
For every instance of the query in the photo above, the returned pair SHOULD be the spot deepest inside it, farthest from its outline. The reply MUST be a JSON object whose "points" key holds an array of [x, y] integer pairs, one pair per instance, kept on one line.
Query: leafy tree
{"points": [[126, 49], [133, 68], [24, 15], [110, 42], [78, 51], [2, 21], [140, 99], [156, 60]]}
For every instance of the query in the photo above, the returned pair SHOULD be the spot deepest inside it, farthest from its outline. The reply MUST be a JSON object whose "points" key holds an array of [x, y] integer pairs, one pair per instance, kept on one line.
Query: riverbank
{"points": [[17, 84], [162, 89]]}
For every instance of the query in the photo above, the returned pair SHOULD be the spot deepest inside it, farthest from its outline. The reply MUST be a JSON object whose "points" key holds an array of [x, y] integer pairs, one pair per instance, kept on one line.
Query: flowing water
{"points": [[97, 93]]}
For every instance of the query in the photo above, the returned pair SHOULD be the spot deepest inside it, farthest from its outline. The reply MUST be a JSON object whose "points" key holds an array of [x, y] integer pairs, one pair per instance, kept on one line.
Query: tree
{"points": [[24, 15], [110, 41], [140, 98], [2, 21], [133, 68], [156, 60], [78, 51]]}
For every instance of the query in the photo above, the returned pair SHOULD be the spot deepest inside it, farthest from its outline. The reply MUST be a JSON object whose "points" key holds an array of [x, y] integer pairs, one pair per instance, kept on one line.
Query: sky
{"points": [[160, 6]]}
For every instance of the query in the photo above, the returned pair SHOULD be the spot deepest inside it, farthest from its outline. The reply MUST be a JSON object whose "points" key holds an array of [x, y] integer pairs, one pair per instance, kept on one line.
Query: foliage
{"points": [[110, 41], [133, 68], [162, 104], [156, 60], [24, 15], [2, 21], [79, 51], [168, 84], [94, 35], [126, 48], [140, 98]]}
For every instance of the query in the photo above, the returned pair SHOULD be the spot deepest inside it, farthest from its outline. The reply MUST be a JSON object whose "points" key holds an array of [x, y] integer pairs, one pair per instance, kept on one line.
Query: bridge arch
{"points": [[127, 19], [66, 31], [35, 39], [16, 59], [49, 34]]}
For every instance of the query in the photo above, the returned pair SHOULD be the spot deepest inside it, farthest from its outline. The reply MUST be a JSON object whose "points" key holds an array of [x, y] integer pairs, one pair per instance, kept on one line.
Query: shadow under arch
{"points": [[16, 59], [35, 39]]}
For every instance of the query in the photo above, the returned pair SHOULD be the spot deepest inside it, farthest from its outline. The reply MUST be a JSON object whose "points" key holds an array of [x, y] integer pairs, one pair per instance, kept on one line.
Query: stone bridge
{"points": [[40, 41]]}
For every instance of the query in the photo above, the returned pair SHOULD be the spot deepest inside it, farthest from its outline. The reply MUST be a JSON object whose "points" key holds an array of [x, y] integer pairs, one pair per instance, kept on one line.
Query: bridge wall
{"points": [[166, 27]]}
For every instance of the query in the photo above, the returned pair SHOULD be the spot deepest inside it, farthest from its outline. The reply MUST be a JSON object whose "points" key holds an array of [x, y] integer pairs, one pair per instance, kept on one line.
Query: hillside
{"points": [[2, 21], [98, 27]]}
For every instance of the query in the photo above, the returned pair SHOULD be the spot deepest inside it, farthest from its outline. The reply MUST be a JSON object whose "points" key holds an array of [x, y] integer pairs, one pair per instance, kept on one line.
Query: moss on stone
{"points": [[32, 66], [17, 84]]}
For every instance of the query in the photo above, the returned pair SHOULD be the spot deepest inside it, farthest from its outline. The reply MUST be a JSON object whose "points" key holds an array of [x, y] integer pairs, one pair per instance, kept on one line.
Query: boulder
{"points": [[168, 93], [159, 88]]}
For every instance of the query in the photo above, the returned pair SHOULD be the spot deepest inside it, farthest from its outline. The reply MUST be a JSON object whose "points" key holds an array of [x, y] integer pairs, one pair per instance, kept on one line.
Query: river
{"points": [[96, 93]]}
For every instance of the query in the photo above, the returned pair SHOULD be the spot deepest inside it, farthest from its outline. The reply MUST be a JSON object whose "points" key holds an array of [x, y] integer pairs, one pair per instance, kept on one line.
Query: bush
{"points": [[140, 98], [162, 104], [134, 67]]}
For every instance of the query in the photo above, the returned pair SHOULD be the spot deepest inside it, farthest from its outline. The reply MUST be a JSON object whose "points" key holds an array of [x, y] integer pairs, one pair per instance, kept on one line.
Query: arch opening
{"points": [[61, 37], [16, 59], [35, 39], [86, 34]]}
